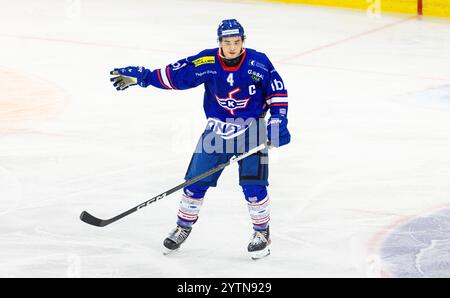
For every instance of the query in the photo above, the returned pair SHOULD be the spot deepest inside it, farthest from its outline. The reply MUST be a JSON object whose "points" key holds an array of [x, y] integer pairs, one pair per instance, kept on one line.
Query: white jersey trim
{"points": [[165, 78]]}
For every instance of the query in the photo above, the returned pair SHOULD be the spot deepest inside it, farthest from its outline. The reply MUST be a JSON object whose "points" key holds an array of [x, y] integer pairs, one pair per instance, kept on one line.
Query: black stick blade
{"points": [[92, 220]]}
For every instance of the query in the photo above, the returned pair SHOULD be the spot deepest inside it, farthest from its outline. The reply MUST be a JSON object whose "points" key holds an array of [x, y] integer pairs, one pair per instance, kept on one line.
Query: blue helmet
{"points": [[230, 28]]}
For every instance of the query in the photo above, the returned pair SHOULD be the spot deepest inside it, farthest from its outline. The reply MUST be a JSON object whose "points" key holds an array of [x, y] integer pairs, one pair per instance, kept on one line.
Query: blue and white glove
{"points": [[277, 131], [129, 76]]}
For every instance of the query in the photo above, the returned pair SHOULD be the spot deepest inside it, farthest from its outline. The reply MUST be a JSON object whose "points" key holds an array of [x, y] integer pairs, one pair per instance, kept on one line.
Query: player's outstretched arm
{"points": [[129, 76], [277, 99]]}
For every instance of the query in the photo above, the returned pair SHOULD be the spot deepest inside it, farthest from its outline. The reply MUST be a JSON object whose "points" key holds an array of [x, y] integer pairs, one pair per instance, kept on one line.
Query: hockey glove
{"points": [[129, 76], [277, 131]]}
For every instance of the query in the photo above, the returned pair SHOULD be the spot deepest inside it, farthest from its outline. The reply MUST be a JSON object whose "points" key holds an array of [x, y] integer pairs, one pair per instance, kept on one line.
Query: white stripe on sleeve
{"points": [[165, 78]]}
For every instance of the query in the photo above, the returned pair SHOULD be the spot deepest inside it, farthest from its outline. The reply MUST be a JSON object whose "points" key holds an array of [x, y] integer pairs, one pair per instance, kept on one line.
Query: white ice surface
{"points": [[369, 117]]}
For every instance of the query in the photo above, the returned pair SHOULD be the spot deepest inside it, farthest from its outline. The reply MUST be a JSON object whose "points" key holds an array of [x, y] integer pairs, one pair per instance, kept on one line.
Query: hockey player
{"points": [[241, 85]]}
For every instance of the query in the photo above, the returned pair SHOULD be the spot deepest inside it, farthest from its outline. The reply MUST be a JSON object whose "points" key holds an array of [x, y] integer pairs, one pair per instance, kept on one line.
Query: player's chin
{"points": [[232, 56]]}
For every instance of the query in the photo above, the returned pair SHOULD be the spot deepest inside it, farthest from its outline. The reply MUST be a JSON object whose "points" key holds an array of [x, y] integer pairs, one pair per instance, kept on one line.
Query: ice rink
{"points": [[363, 190]]}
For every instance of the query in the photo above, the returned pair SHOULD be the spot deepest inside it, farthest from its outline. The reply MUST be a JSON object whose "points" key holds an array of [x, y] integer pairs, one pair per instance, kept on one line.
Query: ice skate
{"points": [[175, 239], [259, 245]]}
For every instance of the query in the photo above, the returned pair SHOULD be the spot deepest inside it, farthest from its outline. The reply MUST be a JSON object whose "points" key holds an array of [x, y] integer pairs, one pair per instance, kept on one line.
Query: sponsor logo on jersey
{"points": [[232, 104], [200, 74], [256, 76], [258, 64], [204, 60]]}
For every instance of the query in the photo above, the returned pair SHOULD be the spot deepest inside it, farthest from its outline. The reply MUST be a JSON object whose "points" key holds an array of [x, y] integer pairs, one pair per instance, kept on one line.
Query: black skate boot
{"points": [[176, 238], [259, 245]]}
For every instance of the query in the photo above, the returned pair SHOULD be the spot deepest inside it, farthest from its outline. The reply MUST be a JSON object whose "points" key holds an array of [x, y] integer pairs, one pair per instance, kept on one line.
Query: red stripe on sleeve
{"points": [[170, 79], [158, 72], [278, 94]]}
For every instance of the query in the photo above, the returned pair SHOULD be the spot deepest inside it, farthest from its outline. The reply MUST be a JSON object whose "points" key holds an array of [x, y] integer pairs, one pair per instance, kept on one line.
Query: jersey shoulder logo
{"points": [[231, 104], [253, 62], [204, 60]]}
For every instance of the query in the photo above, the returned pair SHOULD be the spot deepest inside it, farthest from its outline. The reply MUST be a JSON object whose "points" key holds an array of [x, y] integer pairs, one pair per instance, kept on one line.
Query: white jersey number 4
{"points": [[230, 79]]}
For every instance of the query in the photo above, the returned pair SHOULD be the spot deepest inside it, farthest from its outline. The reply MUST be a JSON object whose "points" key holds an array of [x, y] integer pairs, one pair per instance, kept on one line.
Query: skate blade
{"points": [[256, 255], [167, 251]]}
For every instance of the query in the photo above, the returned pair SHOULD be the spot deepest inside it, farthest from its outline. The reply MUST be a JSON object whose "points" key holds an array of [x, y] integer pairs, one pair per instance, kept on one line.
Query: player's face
{"points": [[231, 46]]}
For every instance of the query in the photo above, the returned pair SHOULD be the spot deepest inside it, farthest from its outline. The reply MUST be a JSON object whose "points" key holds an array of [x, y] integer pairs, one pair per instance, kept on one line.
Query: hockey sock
{"points": [[190, 204], [258, 205]]}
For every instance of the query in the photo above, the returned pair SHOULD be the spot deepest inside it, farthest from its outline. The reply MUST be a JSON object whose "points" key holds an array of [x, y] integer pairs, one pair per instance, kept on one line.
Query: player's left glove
{"points": [[277, 131], [129, 76]]}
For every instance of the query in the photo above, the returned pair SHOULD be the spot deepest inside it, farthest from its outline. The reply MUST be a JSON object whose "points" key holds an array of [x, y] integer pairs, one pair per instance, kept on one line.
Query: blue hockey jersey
{"points": [[245, 91]]}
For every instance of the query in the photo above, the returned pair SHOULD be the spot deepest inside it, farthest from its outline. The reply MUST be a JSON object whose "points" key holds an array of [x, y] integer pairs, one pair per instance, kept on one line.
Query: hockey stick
{"points": [[95, 221]]}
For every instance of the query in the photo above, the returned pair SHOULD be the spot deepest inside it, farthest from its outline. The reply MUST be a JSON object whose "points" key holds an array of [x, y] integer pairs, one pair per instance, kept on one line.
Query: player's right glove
{"points": [[129, 76], [277, 131]]}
